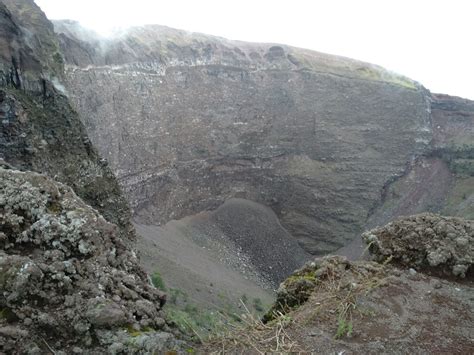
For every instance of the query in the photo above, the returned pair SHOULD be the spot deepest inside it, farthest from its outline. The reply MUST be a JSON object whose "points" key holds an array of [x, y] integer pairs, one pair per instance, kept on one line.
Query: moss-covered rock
{"points": [[297, 288]]}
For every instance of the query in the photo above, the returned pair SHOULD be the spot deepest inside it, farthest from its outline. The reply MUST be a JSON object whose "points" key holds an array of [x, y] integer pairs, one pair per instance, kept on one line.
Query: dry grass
{"points": [[334, 301], [254, 336], [349, 300], [332, 307]]}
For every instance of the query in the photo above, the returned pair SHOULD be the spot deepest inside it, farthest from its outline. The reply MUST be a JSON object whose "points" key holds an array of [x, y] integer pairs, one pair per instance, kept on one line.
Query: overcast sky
{"points": [[430, 41]]}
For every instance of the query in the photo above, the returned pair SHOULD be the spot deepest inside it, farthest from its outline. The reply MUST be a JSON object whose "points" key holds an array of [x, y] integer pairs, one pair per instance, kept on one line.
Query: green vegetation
{"points": [[344, 321], [350, 68], [460, 158], [459, 201], [175, 294], [379, 74], [306, 275], [192, 320], [462, 167], [157, 281], [198, 321], [135, 333], [343, 328], [258, 305], [58, 58], [300, 285]]}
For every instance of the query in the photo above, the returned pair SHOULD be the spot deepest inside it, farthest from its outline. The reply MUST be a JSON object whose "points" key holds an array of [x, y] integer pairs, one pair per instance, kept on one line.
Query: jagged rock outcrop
{"points": [[40, 131], [188, 121], [426, 241], [68, 280]]}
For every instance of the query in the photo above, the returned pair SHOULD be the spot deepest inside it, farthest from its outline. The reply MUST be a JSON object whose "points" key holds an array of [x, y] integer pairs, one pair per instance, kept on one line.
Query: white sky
{"points": [[429, 41]]}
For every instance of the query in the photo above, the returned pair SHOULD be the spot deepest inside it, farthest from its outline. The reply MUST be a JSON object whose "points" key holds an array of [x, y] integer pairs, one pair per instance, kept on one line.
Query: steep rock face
{"points": [[70, 281], [188, 121], [442, 180], [40, 131], [453, 119], [29, 46]]}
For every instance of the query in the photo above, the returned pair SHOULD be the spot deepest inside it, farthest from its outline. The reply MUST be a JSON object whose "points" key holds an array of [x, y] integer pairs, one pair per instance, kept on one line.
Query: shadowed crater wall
{"points": [[188, 121]]}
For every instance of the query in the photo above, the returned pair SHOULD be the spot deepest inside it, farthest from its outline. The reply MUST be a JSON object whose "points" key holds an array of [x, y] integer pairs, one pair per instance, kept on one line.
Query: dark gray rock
{"points": [[40, 131], [188, 121], [62, 264], [256, 232], [102, 314]]}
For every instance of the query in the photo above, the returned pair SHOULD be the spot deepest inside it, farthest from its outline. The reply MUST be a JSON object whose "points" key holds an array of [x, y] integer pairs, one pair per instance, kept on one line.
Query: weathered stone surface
{"points": [[426, 241], [65, 274], [29, 48], [441, 181], [39, 129], [188, 121]]}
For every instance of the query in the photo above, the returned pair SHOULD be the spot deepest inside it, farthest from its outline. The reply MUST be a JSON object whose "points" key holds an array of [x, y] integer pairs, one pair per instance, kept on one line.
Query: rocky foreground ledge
{"points": [[68, 283], [417, 299]]}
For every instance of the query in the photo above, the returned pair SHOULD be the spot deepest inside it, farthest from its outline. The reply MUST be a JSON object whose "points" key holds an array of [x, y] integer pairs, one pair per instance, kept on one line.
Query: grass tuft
{"points": [[157, 281]]}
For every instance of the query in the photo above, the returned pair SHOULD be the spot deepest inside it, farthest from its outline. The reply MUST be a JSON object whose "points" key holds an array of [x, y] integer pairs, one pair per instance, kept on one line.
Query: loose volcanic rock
{"points": [[426, 241], [67, 279], [255, 231]]}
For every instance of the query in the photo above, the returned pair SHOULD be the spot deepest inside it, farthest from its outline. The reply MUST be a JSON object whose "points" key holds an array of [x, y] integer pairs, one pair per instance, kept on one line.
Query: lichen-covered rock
{"points": [[66, 275], [426, 241], [39, 130]]}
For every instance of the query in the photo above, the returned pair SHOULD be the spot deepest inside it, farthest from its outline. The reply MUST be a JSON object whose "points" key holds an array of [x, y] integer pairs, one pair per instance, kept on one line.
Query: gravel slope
{"points": [[217, 257]]}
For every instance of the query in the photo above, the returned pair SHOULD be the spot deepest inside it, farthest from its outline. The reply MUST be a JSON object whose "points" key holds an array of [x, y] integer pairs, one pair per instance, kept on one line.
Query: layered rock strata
{"points": [[188, 121]]}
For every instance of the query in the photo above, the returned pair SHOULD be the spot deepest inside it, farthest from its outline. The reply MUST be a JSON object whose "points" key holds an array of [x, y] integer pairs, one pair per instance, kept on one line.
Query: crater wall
{"points": [[188, 121]]}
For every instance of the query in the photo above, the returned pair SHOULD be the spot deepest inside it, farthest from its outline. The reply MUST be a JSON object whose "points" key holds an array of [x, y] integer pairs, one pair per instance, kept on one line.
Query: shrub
{"points": [[157, 281]]}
